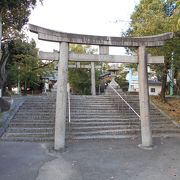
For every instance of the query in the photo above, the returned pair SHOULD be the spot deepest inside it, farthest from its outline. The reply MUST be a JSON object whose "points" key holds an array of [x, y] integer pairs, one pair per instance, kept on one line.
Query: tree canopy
{"points": [[80, 79], [14, 15], [153, 17], [121, 78], [25, 65]]}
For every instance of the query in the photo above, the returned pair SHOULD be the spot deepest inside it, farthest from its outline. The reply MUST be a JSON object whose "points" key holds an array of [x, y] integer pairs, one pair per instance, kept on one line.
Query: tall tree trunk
{"points": [[164, 81], [25, 87], [3, 62], [4, 58]]}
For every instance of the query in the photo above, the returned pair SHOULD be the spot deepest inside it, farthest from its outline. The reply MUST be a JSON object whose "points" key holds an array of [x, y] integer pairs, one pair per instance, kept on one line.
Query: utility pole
{"points": [[172, 77]]}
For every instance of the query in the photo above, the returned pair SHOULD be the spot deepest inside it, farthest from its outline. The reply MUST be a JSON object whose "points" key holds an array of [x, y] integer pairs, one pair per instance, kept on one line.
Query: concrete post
{"points": [[146, 132], [61, 100], [93, 79]]}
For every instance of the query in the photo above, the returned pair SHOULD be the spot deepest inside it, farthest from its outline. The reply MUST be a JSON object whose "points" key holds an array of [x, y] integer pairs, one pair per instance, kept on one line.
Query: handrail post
{"points": [[69, 101]]}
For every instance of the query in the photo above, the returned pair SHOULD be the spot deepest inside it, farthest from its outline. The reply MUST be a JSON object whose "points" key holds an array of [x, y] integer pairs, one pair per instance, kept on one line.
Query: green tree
{"points": [[150, 18], [80, 79], [25, 65], [121, 77], [13, 16]]}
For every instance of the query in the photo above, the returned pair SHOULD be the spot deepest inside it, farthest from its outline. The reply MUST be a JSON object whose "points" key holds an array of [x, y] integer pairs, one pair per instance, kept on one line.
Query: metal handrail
{"points": [[69, 105], [125, 101]]}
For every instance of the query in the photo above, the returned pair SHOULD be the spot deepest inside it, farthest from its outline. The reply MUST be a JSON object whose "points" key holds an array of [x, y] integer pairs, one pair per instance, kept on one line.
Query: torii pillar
{"points": [[146, 132], [0, 46], [93, 79], [61, 99], [103, 50]]}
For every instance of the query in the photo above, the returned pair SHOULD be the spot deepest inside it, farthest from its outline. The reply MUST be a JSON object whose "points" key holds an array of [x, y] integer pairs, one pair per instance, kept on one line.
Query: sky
{"points": [[95, 17]]}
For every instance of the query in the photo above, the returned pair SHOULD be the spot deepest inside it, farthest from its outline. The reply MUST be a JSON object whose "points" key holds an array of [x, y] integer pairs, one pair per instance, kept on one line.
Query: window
{"points": [[153, 90]]}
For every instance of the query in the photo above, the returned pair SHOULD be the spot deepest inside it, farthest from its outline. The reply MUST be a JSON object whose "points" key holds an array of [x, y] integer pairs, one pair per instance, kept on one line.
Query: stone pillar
{"points": [[0, 47], [78, 64], [130, 79], [146, 132], [0, 33], [93, 79], [104, 50], [61, 99]]}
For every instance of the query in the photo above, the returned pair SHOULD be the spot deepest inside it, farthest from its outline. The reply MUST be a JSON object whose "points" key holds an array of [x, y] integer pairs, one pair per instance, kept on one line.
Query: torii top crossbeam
{"points": [[57, 36]]}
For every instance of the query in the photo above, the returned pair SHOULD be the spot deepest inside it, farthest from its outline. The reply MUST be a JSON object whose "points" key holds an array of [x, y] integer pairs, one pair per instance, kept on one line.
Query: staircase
{"points": [[34, 121], [92, 117], [99, 117]]}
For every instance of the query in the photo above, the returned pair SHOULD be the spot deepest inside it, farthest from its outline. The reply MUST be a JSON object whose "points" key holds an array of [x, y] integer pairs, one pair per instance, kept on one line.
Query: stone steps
{"points": [[103, 119], [41, 121], [108, 113], [106, 132], [122, 136], [31, 134], [26, 113], [38, 124], [104, 136], [33, 117], [34, 122], [108, 116], [94, 111], [89, 129], [103, 127], [114, 120], [29, 139], [133, 131], [30, 130], [92, 117], [99, 123], [107, 121]]}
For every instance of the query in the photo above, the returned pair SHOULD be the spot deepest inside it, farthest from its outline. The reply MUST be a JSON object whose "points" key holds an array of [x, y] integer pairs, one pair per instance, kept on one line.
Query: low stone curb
{"points": [[8, 116]]}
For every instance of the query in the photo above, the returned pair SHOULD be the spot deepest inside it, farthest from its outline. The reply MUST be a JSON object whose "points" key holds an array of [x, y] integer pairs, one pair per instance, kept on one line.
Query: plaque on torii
{"points": [[103, 42]]}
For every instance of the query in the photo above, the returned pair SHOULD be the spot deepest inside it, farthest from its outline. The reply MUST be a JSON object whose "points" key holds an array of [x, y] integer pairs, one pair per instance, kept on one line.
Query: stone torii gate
{"points": [[49, 56], [103, 42]]}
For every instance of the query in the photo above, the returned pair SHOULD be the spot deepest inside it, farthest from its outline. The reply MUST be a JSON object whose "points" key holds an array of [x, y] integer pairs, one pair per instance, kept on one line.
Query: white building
{"points": [[154, 84], [154, 87]]}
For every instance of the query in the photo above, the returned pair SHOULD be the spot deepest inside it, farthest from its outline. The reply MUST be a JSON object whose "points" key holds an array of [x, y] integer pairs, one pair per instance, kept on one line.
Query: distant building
{"points": [[154, 87], [154, 84]]}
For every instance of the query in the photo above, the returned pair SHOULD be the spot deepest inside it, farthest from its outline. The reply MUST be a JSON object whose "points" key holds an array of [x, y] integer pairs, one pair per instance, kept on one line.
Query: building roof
{"points": [[155, 83]]}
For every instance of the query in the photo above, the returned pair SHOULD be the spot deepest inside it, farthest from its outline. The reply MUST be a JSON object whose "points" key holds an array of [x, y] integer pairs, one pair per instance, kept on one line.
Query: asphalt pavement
{"points": [[91, 160]]}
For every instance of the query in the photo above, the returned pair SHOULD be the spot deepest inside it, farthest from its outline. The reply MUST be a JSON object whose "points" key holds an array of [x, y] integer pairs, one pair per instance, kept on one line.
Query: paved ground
{"points": [[91, 160]]}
